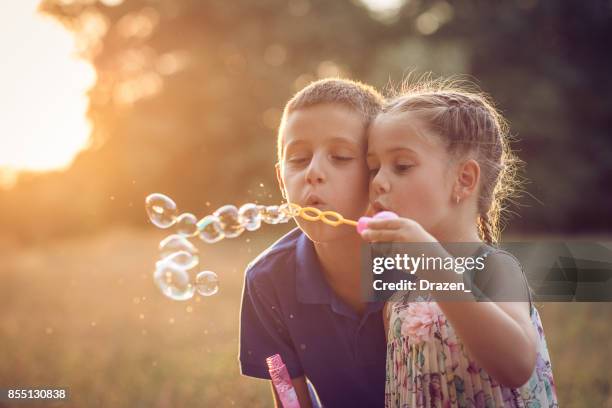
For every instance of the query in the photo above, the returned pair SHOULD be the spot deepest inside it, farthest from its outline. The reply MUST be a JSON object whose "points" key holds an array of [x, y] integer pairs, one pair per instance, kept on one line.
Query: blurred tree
{"points": [[189, 95]]}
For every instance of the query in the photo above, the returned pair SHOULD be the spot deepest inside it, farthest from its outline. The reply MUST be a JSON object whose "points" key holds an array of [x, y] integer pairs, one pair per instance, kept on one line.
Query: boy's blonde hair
{"points": [[468, 122], [361, 98]]}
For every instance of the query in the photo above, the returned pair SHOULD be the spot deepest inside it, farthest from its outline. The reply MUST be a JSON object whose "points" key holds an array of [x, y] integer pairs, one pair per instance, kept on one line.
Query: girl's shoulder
{"points": [[503, 278]]}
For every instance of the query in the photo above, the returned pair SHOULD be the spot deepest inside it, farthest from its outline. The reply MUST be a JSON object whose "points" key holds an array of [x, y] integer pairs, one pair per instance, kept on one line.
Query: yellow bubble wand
{"points": [[314, 214]]}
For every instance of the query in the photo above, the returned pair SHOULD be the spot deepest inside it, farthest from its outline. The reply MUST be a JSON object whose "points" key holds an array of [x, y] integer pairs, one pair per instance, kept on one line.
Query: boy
{"points": [[302, 296]]}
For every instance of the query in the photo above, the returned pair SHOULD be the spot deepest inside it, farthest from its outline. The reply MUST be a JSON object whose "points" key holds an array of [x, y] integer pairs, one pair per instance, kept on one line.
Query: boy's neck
{"points": [[340, 258], [340, 263]]}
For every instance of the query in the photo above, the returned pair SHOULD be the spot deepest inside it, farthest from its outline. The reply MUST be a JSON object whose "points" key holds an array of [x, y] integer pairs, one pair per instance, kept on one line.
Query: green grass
{"points": [[83, 313]]}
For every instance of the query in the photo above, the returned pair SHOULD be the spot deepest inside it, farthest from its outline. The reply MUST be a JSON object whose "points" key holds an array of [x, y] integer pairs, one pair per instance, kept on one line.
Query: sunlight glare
{"points": [[43, 101]]}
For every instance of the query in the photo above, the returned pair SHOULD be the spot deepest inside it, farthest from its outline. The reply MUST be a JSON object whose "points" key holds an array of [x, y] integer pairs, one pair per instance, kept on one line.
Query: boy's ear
{"points": [[279, 178], [468, 176]]}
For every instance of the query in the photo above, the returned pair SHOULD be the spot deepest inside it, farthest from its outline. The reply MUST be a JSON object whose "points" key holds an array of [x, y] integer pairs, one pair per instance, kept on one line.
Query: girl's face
{"points": [[324, 166], [410, 171]]}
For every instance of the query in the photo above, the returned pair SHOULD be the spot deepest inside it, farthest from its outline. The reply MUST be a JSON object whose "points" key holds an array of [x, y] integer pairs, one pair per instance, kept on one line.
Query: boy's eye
{"points": [[341, 158], [373, 172], [297, 160]]}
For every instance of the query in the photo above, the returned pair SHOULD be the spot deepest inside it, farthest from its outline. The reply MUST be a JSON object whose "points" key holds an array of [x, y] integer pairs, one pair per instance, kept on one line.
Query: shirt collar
{"points": [[311, 286]]}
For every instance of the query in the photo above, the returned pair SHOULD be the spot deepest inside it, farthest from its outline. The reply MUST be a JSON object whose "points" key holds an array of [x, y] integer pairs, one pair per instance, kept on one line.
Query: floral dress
{"points": [[427, 365]]}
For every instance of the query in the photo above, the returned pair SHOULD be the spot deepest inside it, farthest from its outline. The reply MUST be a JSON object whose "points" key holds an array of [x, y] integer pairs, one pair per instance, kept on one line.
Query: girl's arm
{"points": [[498, 335]]}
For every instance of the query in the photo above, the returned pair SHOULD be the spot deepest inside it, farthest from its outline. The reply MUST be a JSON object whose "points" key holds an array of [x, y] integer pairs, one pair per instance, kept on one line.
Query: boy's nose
{"points": [[314, 172]]}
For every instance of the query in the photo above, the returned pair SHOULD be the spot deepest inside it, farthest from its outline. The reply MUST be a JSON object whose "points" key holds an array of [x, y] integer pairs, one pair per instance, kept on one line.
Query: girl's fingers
{"points": [[395, 223], [381, 235]]}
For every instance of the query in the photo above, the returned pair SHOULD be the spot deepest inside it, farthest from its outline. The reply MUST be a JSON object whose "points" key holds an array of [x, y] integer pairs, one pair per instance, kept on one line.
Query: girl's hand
{"points": [[395, 230]]}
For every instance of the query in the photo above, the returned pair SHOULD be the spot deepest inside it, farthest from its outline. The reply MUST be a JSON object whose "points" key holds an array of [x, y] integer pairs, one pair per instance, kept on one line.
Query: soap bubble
{"points": [[207, 283], [271, 214], [286, 213], [173, 281], [186, 225], [228, 220], [161, 210], [210, 229], [174, 243], [249, 217], [182, 259]]}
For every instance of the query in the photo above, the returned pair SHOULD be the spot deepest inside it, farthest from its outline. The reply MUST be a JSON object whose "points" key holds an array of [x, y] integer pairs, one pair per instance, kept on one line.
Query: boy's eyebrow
{"points": [[335, 139], [340, 139]]}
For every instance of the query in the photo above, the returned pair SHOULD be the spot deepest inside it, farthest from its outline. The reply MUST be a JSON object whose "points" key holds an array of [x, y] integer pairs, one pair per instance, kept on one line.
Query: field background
{"points": [[84, 313]]}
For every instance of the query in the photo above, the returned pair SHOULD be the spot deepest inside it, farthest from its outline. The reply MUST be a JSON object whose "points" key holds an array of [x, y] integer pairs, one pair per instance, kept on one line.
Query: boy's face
{"points": [[323, 165]]}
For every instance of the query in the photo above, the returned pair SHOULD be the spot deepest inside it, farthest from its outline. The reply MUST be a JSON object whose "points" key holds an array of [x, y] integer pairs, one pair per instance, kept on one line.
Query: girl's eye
{"points": [[401, 168]]}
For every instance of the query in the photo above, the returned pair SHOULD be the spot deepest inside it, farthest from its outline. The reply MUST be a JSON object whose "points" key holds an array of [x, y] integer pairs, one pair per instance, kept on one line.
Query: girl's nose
{"points": [[380, 184]]}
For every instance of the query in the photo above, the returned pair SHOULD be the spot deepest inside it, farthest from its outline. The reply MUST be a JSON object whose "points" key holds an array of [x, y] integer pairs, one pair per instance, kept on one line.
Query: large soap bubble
{"points": [[161, 210], [229, 221], [210, 229], [173, 281]]}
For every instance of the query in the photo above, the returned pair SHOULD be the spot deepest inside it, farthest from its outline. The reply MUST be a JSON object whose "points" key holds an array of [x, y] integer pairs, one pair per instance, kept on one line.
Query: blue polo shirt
{"points": [[288, 308]]}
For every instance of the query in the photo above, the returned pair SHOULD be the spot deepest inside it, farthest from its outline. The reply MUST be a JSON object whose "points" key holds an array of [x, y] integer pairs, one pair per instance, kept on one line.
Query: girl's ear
{"points": [[279, 178], [468, 176]]}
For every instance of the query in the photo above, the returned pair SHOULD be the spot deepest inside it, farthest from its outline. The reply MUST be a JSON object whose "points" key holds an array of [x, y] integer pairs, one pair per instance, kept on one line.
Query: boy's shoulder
{"points": [[276, 258]]}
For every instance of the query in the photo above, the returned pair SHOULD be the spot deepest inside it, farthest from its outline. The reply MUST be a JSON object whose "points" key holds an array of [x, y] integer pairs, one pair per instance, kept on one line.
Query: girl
{"points": [[439, 157]]}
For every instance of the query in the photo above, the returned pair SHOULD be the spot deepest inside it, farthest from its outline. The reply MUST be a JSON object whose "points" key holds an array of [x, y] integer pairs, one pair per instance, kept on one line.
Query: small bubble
{"points": [[112, 198], [208, 203], [291, 316], [141, 316], [49, 330], [93, 324], [136, 300], [154, 363], [205, 332], [249, 352], [144, 332], [303, 346], [261, 184], [171, 320], [189, 309]]}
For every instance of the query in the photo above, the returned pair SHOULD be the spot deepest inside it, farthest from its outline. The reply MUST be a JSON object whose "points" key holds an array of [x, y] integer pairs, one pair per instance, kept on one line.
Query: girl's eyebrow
{"points": [[397, 149]]}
